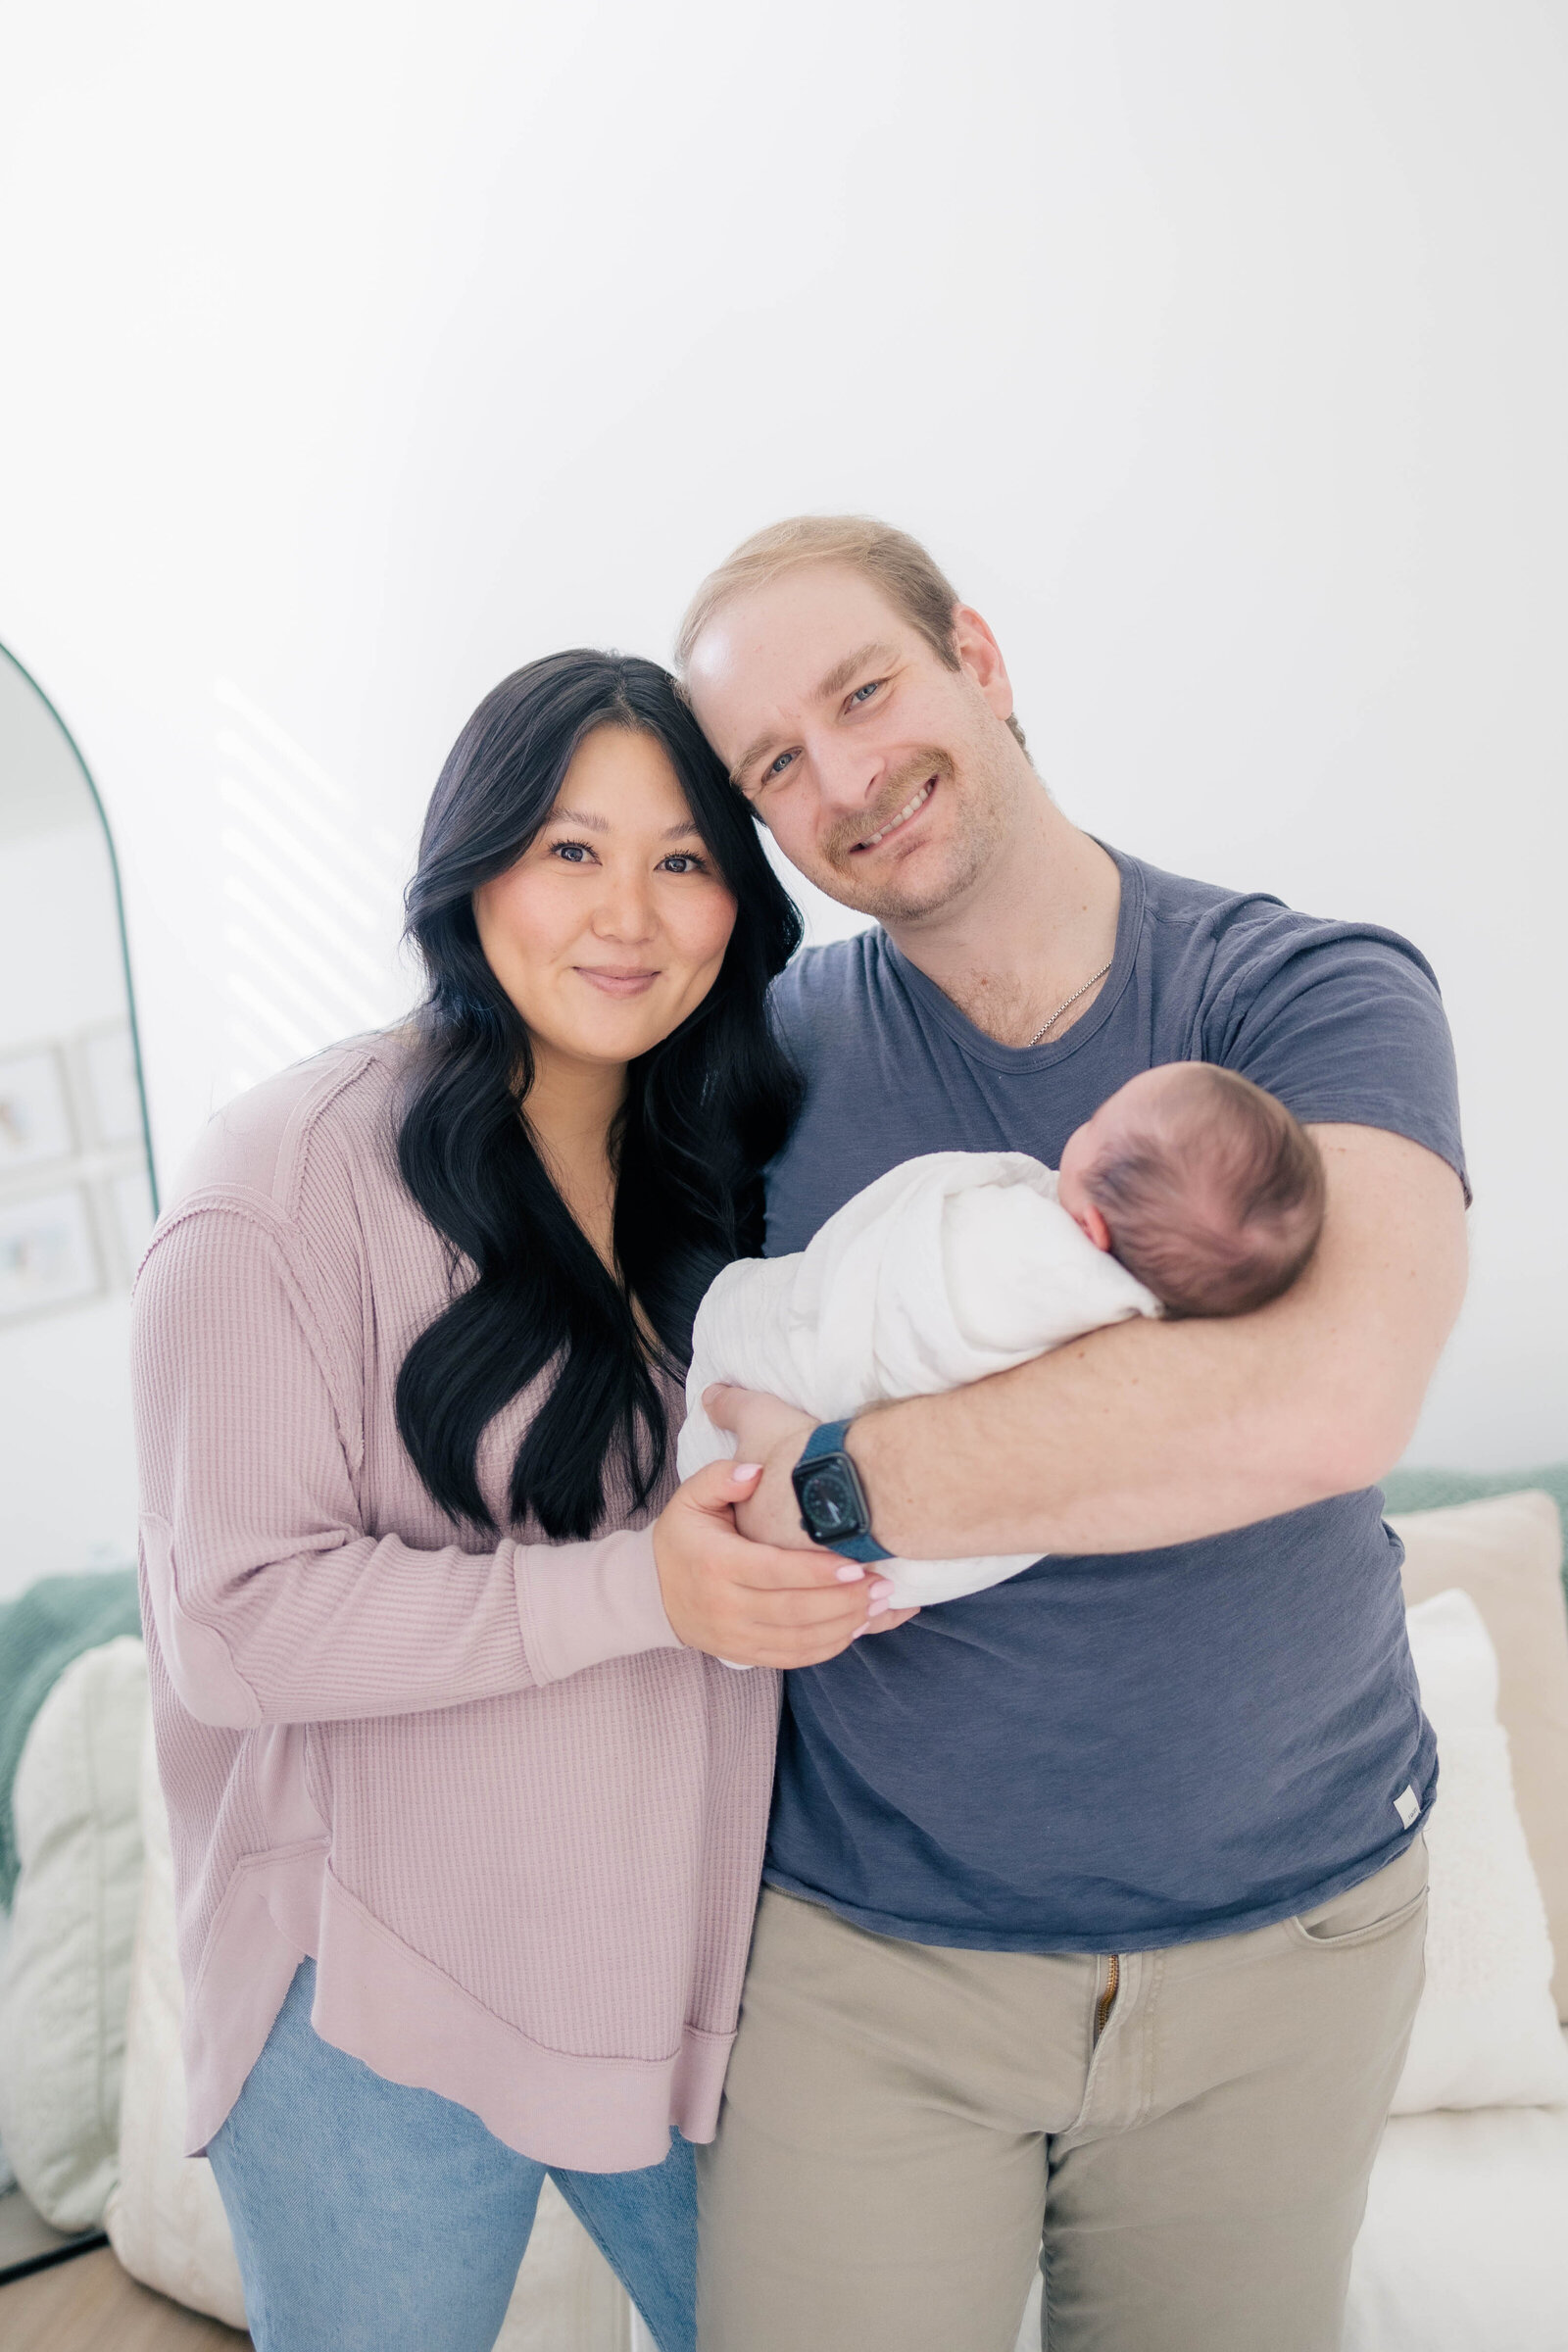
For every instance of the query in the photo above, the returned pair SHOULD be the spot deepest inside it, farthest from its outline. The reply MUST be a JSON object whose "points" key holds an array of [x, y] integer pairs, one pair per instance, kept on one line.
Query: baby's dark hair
{"points": [[1216, 1204]]}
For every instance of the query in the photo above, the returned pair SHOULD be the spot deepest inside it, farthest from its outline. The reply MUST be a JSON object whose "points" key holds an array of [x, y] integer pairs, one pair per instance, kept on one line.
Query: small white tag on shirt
{"points": [[1406, 1804]]}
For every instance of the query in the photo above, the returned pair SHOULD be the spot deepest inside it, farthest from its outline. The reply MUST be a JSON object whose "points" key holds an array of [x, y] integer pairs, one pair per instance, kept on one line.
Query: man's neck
{"points": [[1036, 924]]}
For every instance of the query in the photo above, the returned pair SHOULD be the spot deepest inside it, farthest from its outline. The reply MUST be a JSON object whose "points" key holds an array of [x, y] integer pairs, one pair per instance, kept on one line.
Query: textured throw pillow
{"points": [[67, 1964], [1486, 2031], [8, 2177], [1507, 1553], [166, 2219]]}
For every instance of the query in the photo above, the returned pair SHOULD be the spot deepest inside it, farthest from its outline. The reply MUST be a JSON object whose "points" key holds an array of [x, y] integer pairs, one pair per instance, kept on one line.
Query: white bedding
{"points": [[946, 1270], [1462, 2249]]}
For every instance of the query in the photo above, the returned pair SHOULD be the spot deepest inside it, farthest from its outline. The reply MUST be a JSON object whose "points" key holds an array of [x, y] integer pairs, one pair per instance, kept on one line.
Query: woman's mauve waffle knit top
{"points": [[516, 1824]]}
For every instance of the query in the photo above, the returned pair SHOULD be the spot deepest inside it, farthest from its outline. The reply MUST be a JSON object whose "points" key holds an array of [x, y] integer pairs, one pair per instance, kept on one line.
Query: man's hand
{"points": [[758, 1604], [772, 1435]]}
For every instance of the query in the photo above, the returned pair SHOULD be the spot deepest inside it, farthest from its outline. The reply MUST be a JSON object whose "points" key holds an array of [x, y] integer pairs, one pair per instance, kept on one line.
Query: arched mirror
{"points": [[77, 1188], [76, 1204]]}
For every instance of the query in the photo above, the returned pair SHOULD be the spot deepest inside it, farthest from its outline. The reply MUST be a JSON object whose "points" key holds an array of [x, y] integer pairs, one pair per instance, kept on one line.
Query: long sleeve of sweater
{"points": [[274, 1602]]}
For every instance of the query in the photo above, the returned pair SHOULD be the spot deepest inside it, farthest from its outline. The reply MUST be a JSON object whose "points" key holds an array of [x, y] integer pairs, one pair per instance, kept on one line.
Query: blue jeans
{"points": [[371, 2217]]}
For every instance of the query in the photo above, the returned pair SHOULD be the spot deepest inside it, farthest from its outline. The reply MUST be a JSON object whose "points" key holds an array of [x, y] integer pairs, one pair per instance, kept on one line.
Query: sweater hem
{"points": [[262, 1930], [385, 2004]]}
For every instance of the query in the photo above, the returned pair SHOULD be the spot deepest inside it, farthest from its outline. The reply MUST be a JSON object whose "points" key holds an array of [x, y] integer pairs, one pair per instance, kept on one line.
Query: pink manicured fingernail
{"points": [[745, 1470], [850, 1573], [882, 1590], [876, 1609]]}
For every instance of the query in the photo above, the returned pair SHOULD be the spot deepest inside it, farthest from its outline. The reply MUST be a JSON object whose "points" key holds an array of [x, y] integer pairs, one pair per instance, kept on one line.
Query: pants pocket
{"points": [[1377, 1906]]}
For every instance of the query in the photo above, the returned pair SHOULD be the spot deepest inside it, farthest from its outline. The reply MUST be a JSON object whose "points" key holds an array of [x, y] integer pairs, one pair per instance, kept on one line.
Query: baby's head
{"points": [[1202, 1184]]}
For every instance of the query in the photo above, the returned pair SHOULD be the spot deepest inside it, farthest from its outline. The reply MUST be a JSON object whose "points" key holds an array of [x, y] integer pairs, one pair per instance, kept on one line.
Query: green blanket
{"points": [[40, 1633]]}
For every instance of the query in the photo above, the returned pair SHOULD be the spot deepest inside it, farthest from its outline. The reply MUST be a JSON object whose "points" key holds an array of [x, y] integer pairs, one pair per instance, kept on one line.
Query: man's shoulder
{"points": [[1183, 906], [1342, 1018], [822, 983], [1243, 938]]}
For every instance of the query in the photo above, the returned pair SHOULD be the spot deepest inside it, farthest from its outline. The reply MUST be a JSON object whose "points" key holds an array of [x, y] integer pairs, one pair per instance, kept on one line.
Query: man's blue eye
{"points": [[863, 694], [779, 764]]}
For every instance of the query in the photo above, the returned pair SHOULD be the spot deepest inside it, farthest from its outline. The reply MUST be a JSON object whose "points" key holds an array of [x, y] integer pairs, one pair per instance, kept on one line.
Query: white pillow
{"points": [[8, 2177], [67, 1966], [1485, 2031], [1506, 1552], [166, 2219], [568, 2299]]}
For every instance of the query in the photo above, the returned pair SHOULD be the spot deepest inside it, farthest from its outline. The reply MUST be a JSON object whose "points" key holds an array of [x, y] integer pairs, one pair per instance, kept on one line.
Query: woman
{"points": [[466, 1819]]}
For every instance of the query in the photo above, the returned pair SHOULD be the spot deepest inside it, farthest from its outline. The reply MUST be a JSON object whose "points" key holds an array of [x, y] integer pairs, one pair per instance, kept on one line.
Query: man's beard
{"points": [[974, 829]]}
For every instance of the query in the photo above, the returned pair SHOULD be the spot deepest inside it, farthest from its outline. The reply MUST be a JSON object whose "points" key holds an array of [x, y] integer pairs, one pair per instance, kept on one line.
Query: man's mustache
{"points": [[849, 832]]}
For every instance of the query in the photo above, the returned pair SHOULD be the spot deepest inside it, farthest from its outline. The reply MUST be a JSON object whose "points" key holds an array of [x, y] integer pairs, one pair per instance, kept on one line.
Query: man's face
{"points": [[890, 780]]}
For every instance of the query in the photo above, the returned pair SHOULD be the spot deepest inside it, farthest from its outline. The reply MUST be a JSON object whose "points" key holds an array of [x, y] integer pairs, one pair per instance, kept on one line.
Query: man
{"points": [[1094, 1901]]}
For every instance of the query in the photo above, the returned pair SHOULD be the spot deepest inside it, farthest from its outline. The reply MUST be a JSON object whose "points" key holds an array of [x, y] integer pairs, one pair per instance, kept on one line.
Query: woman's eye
{"points": [[572, 853], [683, 863]]}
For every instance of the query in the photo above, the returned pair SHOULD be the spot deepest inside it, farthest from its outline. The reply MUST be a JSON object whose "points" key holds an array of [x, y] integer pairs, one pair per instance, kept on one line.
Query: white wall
{"points": [[1221, 352]]}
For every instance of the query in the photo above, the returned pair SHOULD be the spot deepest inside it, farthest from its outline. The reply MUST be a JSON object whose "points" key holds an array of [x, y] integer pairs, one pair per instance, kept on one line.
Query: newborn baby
{"points": [[1189, 1192]]}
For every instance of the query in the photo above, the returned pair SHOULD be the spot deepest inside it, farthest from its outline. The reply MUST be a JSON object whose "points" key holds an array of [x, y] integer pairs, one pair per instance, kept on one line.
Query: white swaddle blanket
{"points": [[945, 1270]]}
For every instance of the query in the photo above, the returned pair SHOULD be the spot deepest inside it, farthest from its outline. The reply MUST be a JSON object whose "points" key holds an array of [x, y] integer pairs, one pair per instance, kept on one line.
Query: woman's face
{"points": [[613, 922]]}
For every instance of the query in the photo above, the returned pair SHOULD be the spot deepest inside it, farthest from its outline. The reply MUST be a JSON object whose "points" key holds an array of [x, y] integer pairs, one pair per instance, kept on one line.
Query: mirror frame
{"points": [[85, 771]]}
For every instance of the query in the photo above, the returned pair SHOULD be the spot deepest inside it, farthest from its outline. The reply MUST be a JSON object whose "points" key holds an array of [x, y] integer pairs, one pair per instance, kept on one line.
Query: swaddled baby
{"points": [[1190, 1192]]}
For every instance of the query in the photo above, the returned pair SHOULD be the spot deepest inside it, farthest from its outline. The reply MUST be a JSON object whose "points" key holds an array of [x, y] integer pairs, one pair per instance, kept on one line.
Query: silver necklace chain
{"points": [[1063, 1006]]}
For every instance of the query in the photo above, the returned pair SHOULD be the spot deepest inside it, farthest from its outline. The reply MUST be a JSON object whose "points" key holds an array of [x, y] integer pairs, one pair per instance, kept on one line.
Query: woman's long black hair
{"points": [[705, 1109]]}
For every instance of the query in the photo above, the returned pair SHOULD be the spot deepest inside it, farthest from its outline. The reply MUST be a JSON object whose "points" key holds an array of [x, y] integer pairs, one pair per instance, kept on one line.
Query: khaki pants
{"points": [[1190, 2130]]}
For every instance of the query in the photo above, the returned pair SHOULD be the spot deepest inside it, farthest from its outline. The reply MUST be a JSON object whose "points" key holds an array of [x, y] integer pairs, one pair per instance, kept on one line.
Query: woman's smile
{"points": [[615, 980]]}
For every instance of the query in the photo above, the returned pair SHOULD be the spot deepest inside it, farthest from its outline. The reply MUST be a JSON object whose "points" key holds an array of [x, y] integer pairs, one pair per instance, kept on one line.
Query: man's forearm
{"points": [[1128, 1440], [1156, 1434]]}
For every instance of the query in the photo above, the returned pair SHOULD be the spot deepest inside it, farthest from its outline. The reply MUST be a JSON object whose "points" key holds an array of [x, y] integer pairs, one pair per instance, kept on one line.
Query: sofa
{"points": [[1460, 2245]]}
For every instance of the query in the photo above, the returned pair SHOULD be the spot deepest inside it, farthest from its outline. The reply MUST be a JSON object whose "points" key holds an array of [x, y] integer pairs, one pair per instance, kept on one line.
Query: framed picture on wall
{"points": [[48, 1257], [35, 1112]]}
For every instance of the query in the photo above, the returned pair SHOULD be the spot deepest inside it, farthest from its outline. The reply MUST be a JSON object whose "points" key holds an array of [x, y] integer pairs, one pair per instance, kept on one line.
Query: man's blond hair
{"points": [[913, 581]]}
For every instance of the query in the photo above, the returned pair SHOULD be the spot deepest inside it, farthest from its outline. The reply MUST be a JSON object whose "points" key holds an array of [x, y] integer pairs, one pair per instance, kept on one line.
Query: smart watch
{"points": [[834, 1510]]}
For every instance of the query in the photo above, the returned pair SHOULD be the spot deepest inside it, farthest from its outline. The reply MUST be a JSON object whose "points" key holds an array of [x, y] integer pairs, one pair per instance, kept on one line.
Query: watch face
{"points": [[829, 1503]]}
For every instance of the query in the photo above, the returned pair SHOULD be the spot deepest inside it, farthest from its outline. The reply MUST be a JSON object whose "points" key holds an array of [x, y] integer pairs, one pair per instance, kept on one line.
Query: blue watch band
{"points": [[828, 1437], [865, 1548]]}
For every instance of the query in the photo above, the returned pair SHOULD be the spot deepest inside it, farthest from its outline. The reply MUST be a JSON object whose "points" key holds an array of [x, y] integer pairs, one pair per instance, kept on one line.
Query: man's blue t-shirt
{"points": [[1113, 1752]]}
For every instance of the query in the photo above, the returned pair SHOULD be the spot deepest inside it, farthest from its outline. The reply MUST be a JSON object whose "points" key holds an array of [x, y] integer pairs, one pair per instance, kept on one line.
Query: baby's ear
{"points": [[1094, 1224]]}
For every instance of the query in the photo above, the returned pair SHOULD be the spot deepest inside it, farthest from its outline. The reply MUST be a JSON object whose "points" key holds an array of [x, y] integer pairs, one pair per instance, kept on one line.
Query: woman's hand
{"points": [[758, 1604], [771, 1434]]}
